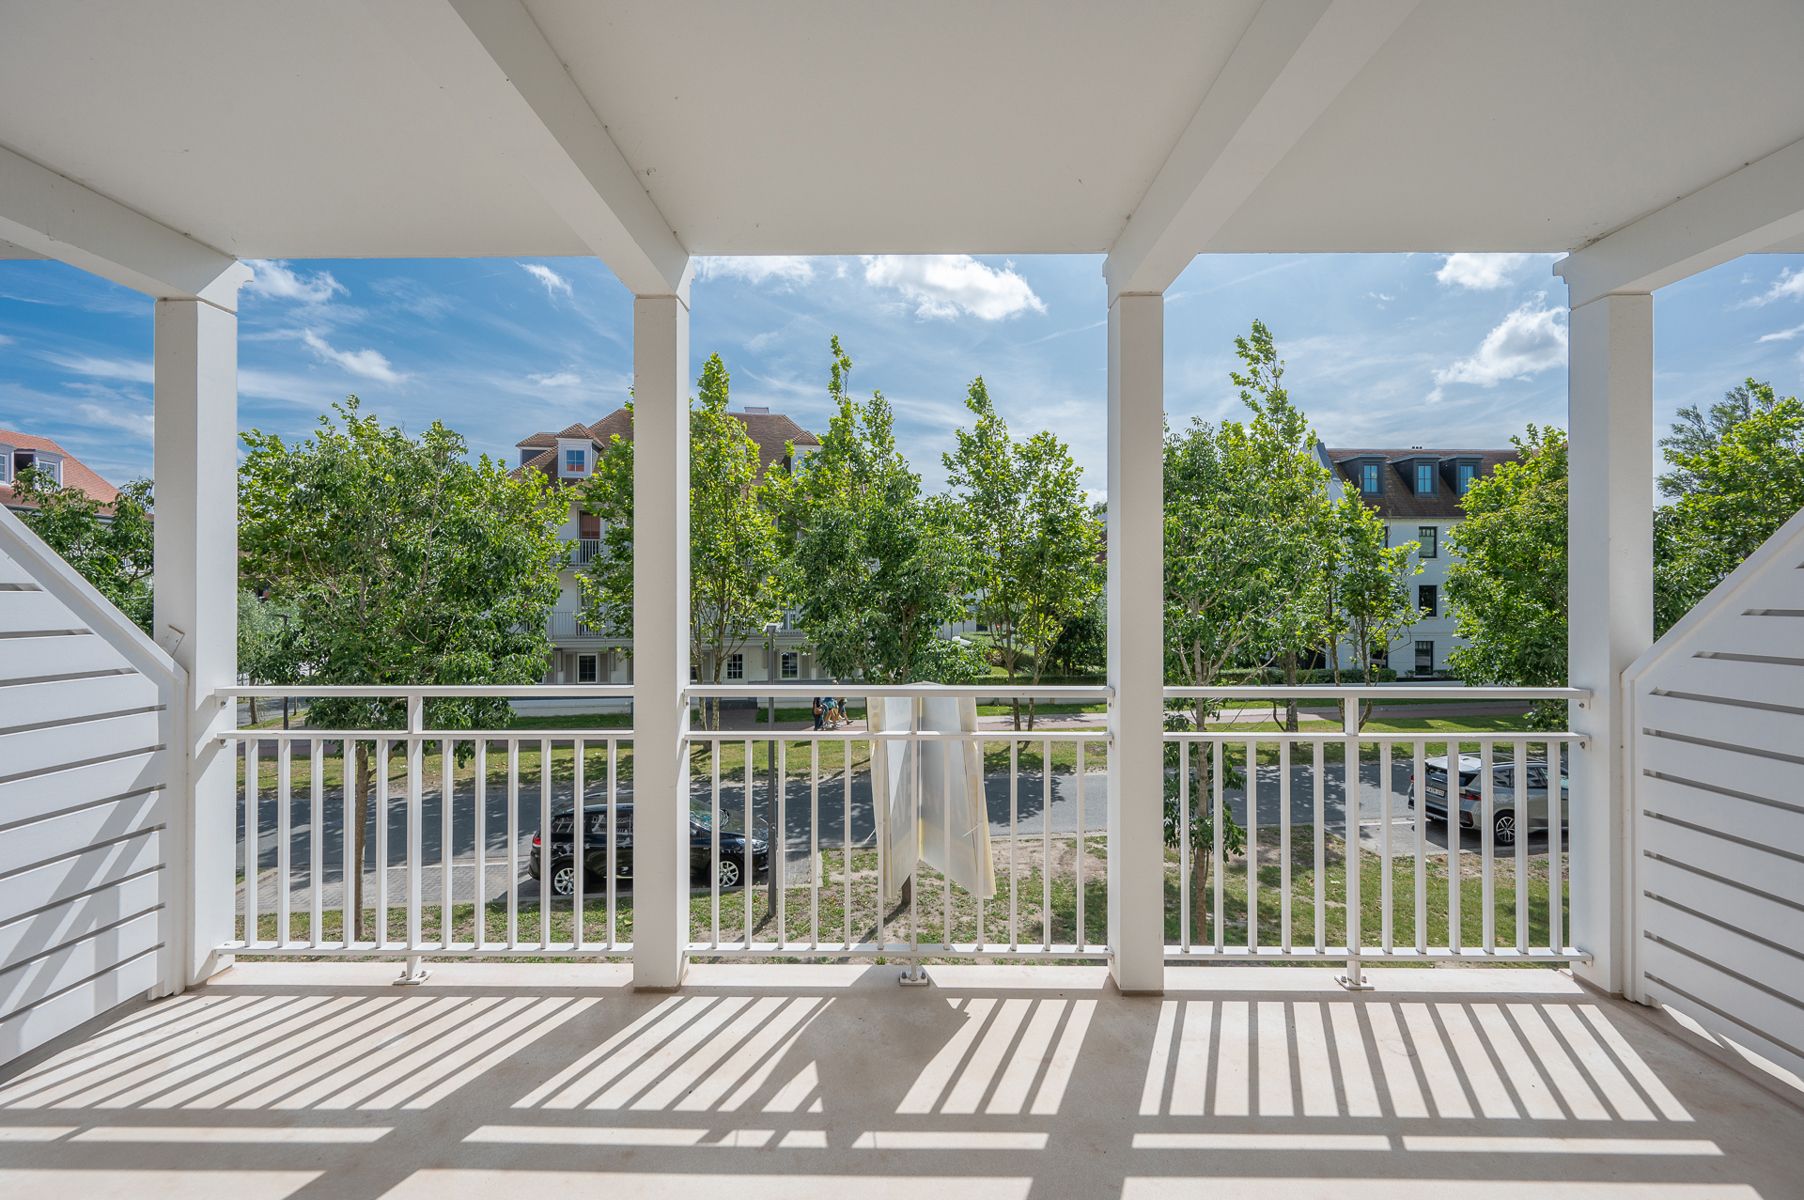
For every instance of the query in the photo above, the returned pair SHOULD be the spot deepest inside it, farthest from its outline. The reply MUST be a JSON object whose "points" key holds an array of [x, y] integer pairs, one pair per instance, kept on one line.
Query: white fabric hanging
{"points": [[944, 822]]}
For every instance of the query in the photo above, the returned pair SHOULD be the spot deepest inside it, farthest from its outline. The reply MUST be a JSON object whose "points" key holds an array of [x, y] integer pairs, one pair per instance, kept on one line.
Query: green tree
{"points": [[265, 631], [405, 564], [1366, 586], [1034, 543], [112, 546], [1735, 476], [733, 548], [1506, 587], [875, 568]]}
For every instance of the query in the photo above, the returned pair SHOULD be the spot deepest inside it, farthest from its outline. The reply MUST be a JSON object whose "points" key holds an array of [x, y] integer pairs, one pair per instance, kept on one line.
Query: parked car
{"points": [[730, 870], [1505, 819]]}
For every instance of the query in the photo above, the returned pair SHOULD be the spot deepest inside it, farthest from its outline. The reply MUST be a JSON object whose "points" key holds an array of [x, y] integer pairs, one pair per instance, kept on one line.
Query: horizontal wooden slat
{"points": [[25, 936], [54, 882], [1732, 768], [1742, 632], [61, 745], [55, 837], [25, 982], [1734, 951], [38, 703], [32, 658], [1729, 719], [1722, 899], [61, 790], [1772, 873], [1762, 823], [24, 1031], [25, 611], [1779, 1019], [1762, 682]]}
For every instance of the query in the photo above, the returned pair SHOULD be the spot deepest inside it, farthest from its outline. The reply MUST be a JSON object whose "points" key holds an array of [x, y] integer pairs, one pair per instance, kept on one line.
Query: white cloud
{"points": [[1530, 340], [945, 285], [1789, 286], [1480, 272], [1783, 335], [369, 364], [757, 268], [137, 424], [4, 340], [277, 280], [555, 379], [555, 284], [128, 370]]}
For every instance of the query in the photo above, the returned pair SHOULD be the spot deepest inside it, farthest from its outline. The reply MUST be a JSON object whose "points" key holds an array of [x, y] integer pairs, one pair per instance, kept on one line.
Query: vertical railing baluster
{"points": [[916, 715], [579, 827], [1352, 788], [1556, 885], [416, 786], [613, 806], [1284, 844], [1419, 784], [814, 843], [447, 791], [545, 897], [513, 842], [1184, 864], [252, 837], [1524, 808], [1046, 797], [350, 845], [1218, 863], [983, 798], [1252, 851], [714, 748], [1320, 827], [1384, 846], [479, 800], [316, 804], [381, 921], [1487, 847], [745, 848], [284, 833], [879, 820], [845, 829], [1014, 785], [1455, 938], [779, 842], [1083, 843]]}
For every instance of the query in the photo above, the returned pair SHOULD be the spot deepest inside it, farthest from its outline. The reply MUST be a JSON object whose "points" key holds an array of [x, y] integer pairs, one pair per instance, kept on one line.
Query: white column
{"points": [[1610, 402], [196, 607], [1136, 595], [660, 638]]}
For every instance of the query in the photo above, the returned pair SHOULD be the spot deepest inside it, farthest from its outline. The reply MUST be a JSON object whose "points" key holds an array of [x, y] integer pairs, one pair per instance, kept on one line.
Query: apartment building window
{"points": [[736, 667], [1428, 599], [1425, 658], [575, 460], [1368, 479], [791, 665], [1465, 473], [1429, 536], [1424, 479], [588, 668]]}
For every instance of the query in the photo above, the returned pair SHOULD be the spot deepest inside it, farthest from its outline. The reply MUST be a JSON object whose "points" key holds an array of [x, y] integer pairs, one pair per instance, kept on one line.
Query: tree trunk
{"points": [[1290, 681], [253, 701], [364, 777]]}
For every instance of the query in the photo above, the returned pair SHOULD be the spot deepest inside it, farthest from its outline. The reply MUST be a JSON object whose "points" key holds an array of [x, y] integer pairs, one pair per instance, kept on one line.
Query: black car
{"points": [[733, 851]]}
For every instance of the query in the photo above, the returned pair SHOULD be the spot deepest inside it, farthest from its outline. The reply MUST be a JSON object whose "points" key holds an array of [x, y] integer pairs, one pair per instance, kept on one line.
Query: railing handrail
{"points": [[961, 691], [1320, 691], [445, 691]]}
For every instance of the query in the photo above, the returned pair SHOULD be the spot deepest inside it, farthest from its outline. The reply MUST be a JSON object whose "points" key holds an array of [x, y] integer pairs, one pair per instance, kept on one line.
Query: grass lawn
{"points": [[1032, 918]]}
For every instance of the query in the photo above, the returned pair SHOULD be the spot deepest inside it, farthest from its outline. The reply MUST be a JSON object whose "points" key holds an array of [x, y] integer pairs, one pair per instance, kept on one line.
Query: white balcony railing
{"points": [[569, 626], [583, 551], [1341, 859]]}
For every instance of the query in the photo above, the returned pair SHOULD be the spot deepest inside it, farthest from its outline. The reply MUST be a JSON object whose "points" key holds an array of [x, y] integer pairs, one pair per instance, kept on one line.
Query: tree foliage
{"points": [[1034, 543], [1507, 585], [1366, 589], [405, 563], [113, 550], [875, 568]]}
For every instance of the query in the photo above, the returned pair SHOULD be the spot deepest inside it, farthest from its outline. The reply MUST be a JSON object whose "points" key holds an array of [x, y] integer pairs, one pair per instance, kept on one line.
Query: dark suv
{"points": [[733, 851]]}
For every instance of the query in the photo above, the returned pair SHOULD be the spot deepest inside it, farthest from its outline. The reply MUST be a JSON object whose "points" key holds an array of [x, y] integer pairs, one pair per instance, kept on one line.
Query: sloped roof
{"points": [[1397, 496], [76, 474], [772, 431]]}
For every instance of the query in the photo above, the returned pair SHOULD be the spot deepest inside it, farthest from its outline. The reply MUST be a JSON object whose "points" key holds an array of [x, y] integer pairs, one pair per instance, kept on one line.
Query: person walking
{"points": [[820, 714]]}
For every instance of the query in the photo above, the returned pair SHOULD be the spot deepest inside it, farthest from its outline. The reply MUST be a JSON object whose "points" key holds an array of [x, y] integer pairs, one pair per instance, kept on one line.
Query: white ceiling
{"points": [[308, 130]]}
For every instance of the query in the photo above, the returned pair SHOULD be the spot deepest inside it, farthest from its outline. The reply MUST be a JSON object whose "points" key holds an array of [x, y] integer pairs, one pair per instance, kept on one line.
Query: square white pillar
{"points": [[660, 639], [1610, 598], [1136, 638], [196, 610]]}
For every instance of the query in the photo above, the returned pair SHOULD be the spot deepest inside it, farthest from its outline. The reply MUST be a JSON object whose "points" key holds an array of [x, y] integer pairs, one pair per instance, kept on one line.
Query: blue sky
{"points": [[1422, 349]]}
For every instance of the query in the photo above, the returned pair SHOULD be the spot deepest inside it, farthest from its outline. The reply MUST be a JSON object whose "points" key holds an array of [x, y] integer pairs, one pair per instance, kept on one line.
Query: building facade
{"points": [[24, 451], [582, 654], [1417, 493]]}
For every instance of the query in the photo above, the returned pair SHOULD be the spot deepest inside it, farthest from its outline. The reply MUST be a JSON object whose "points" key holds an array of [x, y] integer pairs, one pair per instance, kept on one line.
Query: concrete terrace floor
{"points": [[500, 1081]]}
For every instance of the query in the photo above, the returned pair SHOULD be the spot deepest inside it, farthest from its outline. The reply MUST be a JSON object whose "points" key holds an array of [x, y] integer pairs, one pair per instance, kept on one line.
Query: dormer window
{"points": [[575, 461], [1368, 479], [1463, 474], [1424, 479]]}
